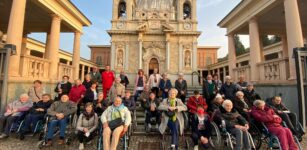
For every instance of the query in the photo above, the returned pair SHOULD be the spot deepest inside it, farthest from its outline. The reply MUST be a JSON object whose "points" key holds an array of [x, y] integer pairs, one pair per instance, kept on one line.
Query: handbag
{"points": [[170, 113], [113, 124]]}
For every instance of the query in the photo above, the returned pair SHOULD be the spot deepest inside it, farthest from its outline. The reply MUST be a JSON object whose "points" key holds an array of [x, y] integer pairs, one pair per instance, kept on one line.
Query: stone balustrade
{"points": [[274, 70], [65, 69], [242, 71], [34, 67]]}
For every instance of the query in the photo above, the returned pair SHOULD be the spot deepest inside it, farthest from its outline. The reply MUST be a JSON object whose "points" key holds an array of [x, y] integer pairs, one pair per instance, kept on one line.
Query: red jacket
{"points": [[266, 116], [76, 92], [107, 79], [193, 103]]}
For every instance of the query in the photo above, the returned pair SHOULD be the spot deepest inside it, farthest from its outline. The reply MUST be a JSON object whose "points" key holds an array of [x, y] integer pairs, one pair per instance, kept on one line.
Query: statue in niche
{"points": [[187, 60], [120, 58]]}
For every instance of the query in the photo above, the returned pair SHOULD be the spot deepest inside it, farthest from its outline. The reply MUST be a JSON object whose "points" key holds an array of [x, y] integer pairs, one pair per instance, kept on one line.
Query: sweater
{"points": [[76, 92], [90, 124], [21, 107], [67, 108], [35, 95], [42, 105]]}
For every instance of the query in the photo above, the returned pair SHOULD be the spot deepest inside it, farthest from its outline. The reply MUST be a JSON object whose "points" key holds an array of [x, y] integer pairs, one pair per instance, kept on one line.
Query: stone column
{"points": [[180, 57], [112, 66], [285, 51], [194, 53], [255, 49], [224, 73], [180, 10], [194, 9], [126, 62], [294, 32], [129, 9], [115, 10], [140, 50], [82, 72], [24, 50], [53, 47], [231, 55], [14, 34], [76, 55], [167, 51]]}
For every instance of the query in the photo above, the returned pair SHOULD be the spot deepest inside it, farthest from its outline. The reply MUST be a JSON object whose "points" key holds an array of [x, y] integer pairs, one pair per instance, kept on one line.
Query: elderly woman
{"points": [[36, 92], [264, 114], [62, 87], [91, 94], [235, 124], [117, 111], [117, 90], [172, 117], [242, 105], [228, 89], [140, 82], [181, 86], [14, 111], [101, 104], [87, 81], [217, 102], [87, 124], [165, 85]]}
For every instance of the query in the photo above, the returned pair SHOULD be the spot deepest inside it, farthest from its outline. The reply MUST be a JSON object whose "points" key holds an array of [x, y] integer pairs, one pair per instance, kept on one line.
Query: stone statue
{"points": [[187, 60], [120, 59]]}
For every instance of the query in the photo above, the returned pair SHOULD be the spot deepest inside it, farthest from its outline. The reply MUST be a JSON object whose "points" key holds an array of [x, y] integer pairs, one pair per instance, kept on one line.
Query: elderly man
{"points": [[209, 89], [59, 112], [95, 75], [14, 111], [181, 86], [242, 84], [289, 117], [250, 94], [154, 80], [117, 90], [228, 89]]}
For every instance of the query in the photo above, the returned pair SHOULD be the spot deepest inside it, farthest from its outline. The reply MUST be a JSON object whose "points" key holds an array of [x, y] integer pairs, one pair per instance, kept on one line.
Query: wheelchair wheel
{"points": [[228, 144], [40, 144], [274, 143], [297, 142], [215, 139], [256, 135]]}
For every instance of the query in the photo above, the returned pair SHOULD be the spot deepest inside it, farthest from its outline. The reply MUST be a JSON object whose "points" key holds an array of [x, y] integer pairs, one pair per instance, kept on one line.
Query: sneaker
{"points": [[149, 126], [81, 146], [173, 147], [3, 135], [157, 126], [196, 147]]}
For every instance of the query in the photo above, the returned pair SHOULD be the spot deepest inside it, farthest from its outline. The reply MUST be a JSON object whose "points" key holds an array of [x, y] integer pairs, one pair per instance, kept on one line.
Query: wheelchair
{"points": [[133, 125], [72, 120], [272, 140], [123, 142]]}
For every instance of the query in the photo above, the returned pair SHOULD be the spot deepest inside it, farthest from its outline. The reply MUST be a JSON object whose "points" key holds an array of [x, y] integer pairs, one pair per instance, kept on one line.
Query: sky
{"points": [[99, 12]]}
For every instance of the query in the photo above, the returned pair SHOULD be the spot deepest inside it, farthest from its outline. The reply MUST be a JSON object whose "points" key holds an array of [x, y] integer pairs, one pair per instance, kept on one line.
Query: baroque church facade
{"points": [[148, 34]]}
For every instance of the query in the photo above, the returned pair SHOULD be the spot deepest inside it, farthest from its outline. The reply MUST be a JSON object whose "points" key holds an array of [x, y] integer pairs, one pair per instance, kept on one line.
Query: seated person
{"points": [[117, 90], [217, 102], [145, 94], [59, 112], [250, 94], [129, 102], [265, 114], [101, 104], [116, 111], [242, 105], [285, 114], [87, 125], [172, 116], [235, 124], [202, 129], [194, 102], [37, 112], [151, 107], [14, 111]]}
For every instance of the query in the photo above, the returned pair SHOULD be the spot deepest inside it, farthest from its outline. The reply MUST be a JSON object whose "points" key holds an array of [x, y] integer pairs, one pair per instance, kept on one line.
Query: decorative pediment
{"points": [[167, 27], [156, 44], [142, 27], [153, 52]]}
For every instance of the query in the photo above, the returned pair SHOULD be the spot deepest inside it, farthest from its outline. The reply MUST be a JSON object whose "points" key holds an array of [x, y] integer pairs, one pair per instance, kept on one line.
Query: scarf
{"points": [[88, 115], [116, 111], [172, 103]]}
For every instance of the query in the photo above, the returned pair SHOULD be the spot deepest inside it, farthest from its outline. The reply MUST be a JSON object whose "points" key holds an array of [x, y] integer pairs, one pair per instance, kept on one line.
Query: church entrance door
{"points": [[153, 63]]}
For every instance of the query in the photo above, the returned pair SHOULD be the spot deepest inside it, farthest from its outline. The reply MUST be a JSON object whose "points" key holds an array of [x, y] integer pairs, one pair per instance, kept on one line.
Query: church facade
{"points": [[148, 34]]}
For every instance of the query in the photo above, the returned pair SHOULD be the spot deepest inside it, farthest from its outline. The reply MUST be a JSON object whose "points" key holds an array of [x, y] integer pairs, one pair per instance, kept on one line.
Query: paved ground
{"points": [[30, 143]]}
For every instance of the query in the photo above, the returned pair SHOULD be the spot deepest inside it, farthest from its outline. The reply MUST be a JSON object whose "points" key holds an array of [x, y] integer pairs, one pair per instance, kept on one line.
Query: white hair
{"points": [[24, 95], [257, 103], [228, 77], [227, 101], [239, 92], [173, 89]]}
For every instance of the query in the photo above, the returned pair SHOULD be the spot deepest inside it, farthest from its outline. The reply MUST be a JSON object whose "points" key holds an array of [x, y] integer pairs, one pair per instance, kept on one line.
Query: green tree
{"points": [[240, 49]]}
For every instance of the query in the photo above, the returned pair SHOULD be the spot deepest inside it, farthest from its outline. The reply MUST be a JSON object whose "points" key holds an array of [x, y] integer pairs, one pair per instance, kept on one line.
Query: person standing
{"points": [[117, 90], [209, 90], [36, 91], [87, 81], [63, 87], [153, 82], [140, 83], [124, 79], [181, 86], [107, 80], [95, 75], [228, 89], [217, 81]]}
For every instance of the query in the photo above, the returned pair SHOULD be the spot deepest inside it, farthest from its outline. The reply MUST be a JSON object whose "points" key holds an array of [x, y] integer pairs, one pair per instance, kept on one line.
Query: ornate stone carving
{"points": [[154, 49], [120, 58], [155, 4], [187, 59]]}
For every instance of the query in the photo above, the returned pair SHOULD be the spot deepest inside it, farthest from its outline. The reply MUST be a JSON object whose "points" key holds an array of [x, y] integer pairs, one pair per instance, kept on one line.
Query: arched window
{"points": [[122, 9], [187, 10]]}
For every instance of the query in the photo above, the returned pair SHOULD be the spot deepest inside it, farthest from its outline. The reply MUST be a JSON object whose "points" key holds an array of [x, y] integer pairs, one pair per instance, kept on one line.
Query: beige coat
{"points": [[36, 97], [116, 89], [180, 108]]}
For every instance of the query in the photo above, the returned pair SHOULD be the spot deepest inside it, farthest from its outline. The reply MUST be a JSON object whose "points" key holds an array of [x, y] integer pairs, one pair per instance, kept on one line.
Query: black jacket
{"points": [[124, 80], [181, 87], [146, 105], [231, 118], [88, 96], [87, 84], [229, 91], [40, 104], [129, 103], [239, 105], [65, 87], [251, 96], [206, 93]]}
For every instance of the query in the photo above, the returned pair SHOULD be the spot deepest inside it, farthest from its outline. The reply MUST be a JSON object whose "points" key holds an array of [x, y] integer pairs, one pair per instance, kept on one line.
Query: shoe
{"points": [[49, 143], [81, 146], [196, 147], [61, 141], [173, 147], [149, 126], [157, 126], [3, 135]]}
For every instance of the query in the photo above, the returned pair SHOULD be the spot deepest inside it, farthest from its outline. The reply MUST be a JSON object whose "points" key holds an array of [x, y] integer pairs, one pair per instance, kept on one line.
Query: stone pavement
{"points": [[30, 143]]}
